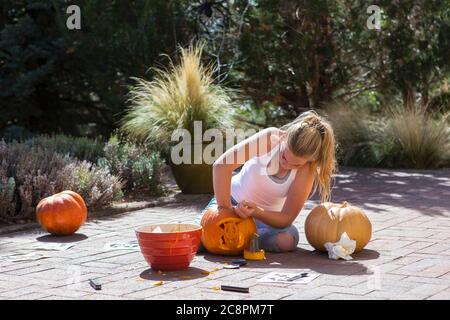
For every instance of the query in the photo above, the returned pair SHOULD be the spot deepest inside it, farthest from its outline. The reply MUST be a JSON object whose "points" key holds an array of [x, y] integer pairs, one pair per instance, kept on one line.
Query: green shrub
{"points": [[7, 193], [35, 173], [14, 132], [176, 98], [440, 103], [30, 173], [354, 135], [138, 166], [399, 138], [96, 185], [413, 138], [78, 147]]}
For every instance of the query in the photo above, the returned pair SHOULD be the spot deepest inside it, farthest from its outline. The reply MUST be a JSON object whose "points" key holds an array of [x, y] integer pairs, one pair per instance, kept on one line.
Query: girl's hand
{"points": [[245, 209]]}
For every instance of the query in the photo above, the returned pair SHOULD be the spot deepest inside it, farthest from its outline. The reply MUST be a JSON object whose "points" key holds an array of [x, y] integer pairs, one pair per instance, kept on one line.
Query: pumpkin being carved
{"points": [[62, 213], [328, 221], [225, 233]]}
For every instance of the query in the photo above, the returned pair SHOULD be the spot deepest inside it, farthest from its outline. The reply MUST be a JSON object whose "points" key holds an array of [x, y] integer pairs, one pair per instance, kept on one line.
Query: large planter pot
{"points": [[194, 177]]}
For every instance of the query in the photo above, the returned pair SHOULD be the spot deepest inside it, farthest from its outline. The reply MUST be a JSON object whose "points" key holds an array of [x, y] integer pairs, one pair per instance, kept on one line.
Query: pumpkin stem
{"points": [[344, 204]]}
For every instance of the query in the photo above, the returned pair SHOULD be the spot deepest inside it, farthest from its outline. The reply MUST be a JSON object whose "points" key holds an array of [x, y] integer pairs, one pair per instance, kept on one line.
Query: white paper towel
{"points": [[341, 249]]}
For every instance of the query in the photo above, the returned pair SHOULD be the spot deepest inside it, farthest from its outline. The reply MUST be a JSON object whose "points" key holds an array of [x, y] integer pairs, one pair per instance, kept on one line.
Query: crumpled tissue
{"points": [[341, 249]]}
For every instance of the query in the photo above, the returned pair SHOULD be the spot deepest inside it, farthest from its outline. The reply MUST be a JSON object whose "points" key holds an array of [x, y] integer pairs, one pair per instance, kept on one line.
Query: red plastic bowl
{"points": [[173, 248]]}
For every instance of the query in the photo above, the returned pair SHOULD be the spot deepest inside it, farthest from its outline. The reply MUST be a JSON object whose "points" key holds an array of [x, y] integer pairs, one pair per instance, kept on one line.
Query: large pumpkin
{"points": [[328, 221], [225, 233], [62, 213]]}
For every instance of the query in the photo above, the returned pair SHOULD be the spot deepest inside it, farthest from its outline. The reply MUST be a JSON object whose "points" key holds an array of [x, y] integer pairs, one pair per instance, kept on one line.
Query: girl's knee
{"points": [[286, 241]]}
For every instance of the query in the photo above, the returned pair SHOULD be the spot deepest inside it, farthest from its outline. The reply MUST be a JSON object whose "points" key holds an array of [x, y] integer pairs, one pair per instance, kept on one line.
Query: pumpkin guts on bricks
{"points": [[225, 233]]}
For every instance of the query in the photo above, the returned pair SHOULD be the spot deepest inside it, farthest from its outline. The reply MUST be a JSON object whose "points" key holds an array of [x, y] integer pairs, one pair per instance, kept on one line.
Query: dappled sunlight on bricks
{"points": [[410, 246]]}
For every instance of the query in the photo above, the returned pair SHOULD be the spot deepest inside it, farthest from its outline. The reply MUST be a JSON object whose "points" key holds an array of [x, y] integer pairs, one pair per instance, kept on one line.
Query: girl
{"points": [[280, 169]]}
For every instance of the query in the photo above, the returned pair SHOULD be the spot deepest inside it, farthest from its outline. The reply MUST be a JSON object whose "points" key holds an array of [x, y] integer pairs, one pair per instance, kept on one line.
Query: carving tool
{"points": [[235, 289], [253, 252]]}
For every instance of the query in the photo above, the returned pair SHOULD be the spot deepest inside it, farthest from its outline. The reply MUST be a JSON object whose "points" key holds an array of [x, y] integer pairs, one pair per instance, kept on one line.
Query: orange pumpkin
{"points": [[225, 233], [62, 213], [328, 221]]}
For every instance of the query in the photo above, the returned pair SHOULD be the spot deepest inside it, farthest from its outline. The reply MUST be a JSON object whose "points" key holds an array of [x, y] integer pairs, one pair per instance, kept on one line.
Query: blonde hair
{"points": [[311, 135]]}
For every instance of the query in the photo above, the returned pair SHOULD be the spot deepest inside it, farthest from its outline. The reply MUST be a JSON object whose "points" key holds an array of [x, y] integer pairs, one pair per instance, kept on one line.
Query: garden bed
{"points": [[103, 173]]}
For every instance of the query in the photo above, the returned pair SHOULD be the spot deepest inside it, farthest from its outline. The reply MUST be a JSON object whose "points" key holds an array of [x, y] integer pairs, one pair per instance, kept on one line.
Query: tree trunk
{"points": [[409, 97], [303, 99]]}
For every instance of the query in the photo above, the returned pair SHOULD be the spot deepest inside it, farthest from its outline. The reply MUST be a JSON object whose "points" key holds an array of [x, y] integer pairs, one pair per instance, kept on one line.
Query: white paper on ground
{"points": [[282, 277], [122, 245], [22, 256], [27, 244], [341, 249], [51, 246]]}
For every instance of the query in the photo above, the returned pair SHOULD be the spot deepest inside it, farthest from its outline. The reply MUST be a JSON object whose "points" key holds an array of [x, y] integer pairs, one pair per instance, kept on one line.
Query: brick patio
{"points": [[407, 258]]}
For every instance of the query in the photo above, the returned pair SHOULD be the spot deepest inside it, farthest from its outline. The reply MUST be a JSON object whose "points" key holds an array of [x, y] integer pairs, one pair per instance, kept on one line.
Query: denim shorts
{"points": [[267, 234]]}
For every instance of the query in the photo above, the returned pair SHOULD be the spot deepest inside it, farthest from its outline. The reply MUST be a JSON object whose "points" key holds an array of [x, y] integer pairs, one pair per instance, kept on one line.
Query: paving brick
{"points": [[426, 290], [65, 292], [383, 295], [443, 295], [360, 290], [269, 295], [150, 292], [124, 259], [126, 286], [101, 264], [420, 265], [15, 293], [439, 280], [30, 270], [443, 248], [388, 245], [403, 232], [20, 266], [306, 295], [440, 235], [418, 245], [41, 282], [99, 296], [31, 296], [439, 269], [117, 276], [445, 276], [203, 294], [59, 297], [389, 285], [407, 258], [238, 276], [341, 296], [430, 267]]}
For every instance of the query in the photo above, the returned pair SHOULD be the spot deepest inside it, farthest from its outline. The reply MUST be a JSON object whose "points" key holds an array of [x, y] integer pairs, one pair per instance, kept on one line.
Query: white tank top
{"points": [[254, 184]]}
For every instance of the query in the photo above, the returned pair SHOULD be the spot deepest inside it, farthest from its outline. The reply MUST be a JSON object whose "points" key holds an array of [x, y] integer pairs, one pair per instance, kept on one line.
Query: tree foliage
{"points": [[75, 81], [291, 55]]}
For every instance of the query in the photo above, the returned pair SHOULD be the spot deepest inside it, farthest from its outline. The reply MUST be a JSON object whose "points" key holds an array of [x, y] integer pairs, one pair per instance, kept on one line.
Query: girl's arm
{"points": [[256, 145], [297, 195]]}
